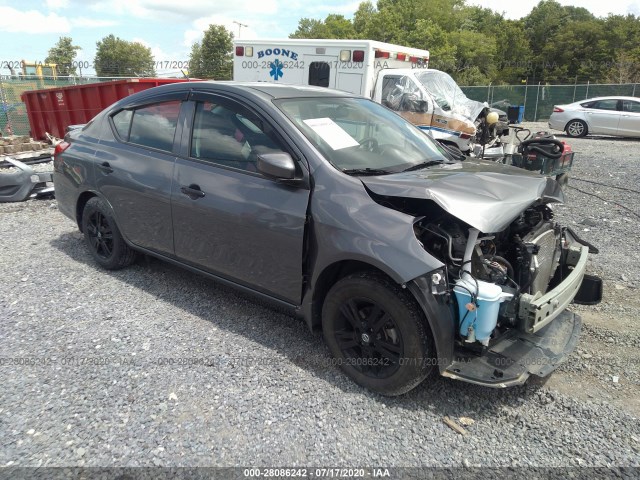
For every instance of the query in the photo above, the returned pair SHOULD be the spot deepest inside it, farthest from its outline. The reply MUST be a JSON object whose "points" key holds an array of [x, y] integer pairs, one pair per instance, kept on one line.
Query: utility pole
{"points": [[240, 25]]}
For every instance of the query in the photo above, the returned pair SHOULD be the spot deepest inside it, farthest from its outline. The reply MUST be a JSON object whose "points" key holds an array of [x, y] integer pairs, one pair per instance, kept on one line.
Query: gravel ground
{"points": [[154, 365]]}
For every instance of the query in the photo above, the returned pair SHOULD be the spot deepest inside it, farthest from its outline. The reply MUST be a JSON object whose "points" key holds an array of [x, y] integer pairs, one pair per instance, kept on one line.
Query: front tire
{"points": [[103, 237], [576, 128], [377, 333]]}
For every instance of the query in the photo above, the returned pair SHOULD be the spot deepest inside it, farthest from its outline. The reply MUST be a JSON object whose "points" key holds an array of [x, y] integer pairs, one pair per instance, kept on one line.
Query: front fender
{"points": [[439, 316]]}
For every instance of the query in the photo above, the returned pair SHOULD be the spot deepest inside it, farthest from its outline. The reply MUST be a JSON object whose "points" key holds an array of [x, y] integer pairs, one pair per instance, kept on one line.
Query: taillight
{"points": [[61, 147], [557, 110], [358, 56], [239, 51]]}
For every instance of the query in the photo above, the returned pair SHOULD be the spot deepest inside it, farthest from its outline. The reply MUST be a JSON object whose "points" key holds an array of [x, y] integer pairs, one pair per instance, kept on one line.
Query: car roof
{"points": [[612, 97], [287, 91], [262, 90]]}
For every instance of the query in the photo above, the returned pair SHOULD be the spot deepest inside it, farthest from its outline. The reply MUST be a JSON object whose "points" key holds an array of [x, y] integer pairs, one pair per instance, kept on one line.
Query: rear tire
{"points": [[103, 237], [377, 333], [576, 128]]}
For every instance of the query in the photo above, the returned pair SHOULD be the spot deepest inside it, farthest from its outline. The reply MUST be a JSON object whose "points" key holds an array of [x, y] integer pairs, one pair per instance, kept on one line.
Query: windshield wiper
{"points": [[422, 165], [366, 171]]}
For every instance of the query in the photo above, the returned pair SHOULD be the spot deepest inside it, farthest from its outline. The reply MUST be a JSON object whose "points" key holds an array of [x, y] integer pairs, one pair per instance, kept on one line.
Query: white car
{"points": [[618, 116]]}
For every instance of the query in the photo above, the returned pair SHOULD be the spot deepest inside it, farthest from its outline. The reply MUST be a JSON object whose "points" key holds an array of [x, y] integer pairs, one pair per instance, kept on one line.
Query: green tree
{"points": [[334, 26], [116, 57], [476, 55], [475, 45], [544, 20], [310, 28], [212, 58], [623, 40], [478, 19], [339, 27], [385, 26], [362, 17], [513, 53], [63, 54], [430, 36]]}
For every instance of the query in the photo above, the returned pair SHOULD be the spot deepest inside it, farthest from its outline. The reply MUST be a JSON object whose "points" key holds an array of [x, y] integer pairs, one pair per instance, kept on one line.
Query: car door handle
{"points": [[105, 167], [192, 191]]}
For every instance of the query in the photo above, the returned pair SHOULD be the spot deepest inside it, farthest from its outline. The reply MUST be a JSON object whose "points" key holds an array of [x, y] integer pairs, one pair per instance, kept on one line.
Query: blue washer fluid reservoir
{"points": [[479, 323]]}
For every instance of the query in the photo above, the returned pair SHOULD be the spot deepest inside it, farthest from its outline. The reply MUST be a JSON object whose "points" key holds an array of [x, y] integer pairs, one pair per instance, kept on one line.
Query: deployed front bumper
{"points": [[517, 355], [547, 333], [538, 311]]}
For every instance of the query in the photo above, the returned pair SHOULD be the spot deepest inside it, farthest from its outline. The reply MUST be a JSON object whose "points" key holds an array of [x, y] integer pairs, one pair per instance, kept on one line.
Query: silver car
{"points": [[619, 116]]}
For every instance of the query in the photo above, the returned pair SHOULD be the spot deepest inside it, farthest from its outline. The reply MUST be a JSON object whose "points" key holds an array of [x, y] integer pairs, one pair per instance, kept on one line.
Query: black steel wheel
{"points": [[377, 333], [103, 238]]}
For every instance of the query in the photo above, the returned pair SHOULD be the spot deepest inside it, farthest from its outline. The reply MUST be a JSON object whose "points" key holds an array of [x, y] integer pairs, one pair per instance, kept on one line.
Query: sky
{"points": [[169, 27]]}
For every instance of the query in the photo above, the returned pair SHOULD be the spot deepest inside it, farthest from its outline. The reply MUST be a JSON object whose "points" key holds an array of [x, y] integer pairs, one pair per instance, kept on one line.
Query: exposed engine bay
{"points": [[490, 272], [503, 272]]}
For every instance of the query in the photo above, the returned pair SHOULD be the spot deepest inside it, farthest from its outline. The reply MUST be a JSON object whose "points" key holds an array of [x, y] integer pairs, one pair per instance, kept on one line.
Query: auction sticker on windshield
{"points": [[332, 133]]}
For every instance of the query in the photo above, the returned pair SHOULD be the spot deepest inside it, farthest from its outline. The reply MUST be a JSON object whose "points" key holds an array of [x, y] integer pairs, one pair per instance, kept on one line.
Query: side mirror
{"points": [[278, 166]]}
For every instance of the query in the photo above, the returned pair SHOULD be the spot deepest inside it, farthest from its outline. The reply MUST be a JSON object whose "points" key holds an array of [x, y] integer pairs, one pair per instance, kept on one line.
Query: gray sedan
{"points": [[619, 116], [340, 211]]}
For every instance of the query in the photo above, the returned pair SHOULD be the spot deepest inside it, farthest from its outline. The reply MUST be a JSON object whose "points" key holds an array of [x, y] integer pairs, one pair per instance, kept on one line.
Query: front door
{"points": [[228, 218]]}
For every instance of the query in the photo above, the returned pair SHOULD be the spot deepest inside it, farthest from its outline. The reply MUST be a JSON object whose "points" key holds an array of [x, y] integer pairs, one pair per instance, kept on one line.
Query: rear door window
{"points": [[154, 125]]}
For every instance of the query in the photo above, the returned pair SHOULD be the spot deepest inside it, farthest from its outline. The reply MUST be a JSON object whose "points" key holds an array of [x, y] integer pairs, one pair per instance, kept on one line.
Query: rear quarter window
{"points": [[122, 122], [151, 126]]}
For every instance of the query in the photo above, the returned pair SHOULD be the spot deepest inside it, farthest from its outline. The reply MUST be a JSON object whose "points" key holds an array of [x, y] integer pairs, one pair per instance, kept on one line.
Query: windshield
{"points": [[448, 95], [359, 136]]}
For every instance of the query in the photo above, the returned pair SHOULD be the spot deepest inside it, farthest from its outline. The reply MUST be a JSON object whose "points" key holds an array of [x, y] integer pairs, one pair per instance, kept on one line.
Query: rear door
{"points": [[229, 219], [629, 125], [603, 116], [134, 170]]}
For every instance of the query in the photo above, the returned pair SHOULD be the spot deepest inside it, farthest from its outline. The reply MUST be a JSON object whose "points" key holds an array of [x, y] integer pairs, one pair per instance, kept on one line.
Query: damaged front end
{"points": [[509, 273], [509, 291]]}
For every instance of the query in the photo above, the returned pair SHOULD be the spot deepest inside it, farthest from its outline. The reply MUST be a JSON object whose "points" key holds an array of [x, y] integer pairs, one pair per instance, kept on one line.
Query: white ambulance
{"points": [[393, 75]]}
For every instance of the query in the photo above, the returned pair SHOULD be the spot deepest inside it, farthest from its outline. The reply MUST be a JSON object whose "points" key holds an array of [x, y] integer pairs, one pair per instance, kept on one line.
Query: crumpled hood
{"points": [[486, 195]]}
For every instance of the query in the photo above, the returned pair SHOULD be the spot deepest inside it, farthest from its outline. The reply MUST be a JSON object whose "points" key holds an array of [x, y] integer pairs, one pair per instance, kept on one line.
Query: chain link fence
{"points": [[13, 113], [538, 100]]}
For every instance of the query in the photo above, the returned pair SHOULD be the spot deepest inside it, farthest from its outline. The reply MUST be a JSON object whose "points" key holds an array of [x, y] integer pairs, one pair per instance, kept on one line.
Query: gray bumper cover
{"points": [[18, 186], [517, 355]]}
